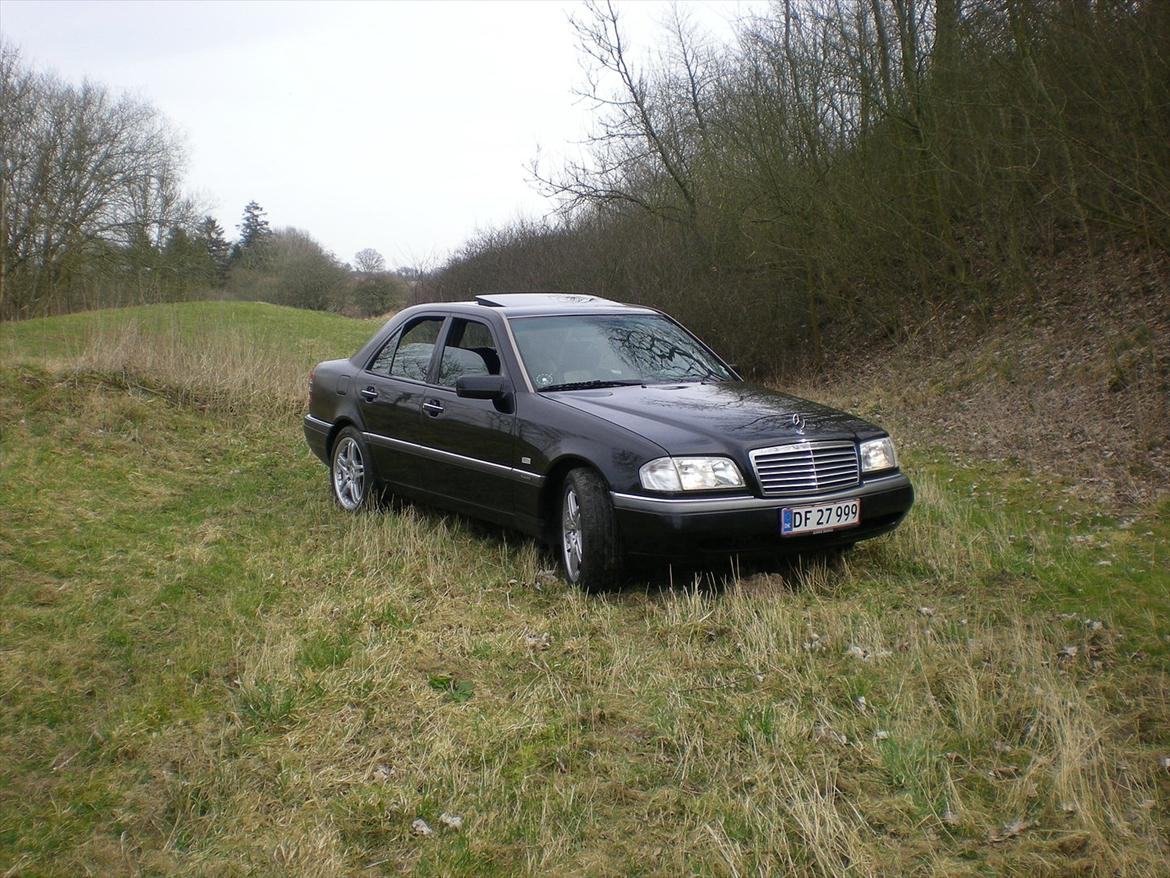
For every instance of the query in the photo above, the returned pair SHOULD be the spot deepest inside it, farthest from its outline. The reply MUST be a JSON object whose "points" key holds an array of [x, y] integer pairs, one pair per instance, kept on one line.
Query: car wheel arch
{"points": [[338, 425], [590, 542], [550, 496]]}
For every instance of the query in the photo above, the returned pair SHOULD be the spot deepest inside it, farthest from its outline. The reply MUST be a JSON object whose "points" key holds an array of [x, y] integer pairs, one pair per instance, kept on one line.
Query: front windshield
{"points": [[600, 350]]}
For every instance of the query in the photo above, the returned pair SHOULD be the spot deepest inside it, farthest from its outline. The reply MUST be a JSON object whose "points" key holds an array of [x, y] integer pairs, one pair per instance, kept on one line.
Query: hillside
{"points": [[207, 669], [1072, 382]]}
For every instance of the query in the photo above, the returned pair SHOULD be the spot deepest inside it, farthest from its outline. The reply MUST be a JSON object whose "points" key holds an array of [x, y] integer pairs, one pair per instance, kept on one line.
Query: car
{"points": [[606, 429]]}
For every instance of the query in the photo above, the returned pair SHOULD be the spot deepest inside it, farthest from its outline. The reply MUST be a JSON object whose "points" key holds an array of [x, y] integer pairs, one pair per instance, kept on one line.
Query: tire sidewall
{"points": [[369, 486], [600, 549]]}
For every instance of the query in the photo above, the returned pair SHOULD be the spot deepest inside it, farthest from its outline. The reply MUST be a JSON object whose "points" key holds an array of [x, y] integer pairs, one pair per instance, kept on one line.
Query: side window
{"points": [[408, 352], [413, 357], [470, 350], [381, 364]]}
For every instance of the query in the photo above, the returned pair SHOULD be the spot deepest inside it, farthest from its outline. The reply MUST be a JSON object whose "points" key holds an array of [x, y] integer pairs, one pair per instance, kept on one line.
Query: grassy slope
{"points": [[207, 669]]}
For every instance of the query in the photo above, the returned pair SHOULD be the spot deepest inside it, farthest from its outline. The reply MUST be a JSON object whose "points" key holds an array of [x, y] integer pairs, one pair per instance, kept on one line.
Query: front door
{"points": [[471, 440]]}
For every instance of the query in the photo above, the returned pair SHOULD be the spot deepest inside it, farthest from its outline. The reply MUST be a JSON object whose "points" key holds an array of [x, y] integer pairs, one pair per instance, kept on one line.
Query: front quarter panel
{"points": [[551, 438], [548, 432]]}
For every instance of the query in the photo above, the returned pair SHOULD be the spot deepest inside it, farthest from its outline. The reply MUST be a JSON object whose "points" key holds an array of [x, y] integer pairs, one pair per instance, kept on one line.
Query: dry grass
{"points": [[233, 358], [225, 371]]}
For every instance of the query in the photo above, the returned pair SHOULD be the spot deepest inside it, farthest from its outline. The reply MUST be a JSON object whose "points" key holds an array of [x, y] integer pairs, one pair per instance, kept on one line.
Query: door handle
{"points": [[369, 394], [433, 407]]}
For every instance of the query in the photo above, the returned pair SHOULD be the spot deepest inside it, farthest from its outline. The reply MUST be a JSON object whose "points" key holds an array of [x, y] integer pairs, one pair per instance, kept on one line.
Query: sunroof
{"points": [[507, 300]]}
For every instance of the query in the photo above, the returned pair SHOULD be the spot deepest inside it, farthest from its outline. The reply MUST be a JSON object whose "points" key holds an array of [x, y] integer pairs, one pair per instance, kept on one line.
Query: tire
{"points": [[589, 549], [351, 477]]}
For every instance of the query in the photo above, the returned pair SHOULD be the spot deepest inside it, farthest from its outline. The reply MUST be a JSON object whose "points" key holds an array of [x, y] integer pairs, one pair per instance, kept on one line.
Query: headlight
{"points": [[690, 474], [878, 454]]}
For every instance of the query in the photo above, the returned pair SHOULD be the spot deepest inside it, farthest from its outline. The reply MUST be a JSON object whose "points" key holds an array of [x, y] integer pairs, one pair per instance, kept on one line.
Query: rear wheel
{"points": [[353, 483], [589, 549]]}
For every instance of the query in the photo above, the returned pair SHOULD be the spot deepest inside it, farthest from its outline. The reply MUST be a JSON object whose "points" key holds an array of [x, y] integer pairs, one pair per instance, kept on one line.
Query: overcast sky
{"points": [[400, 126]]}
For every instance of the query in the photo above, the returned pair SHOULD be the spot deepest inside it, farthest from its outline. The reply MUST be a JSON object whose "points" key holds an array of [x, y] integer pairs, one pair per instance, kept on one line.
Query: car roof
{"points": [[550, 303]]}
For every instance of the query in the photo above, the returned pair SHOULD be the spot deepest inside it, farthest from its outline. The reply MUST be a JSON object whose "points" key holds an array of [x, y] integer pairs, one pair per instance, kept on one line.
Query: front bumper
{"points": [[664, 527]]}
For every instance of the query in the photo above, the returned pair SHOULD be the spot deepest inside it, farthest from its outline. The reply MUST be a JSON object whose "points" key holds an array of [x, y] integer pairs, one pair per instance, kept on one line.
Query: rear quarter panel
{"points": [[331, 393]]}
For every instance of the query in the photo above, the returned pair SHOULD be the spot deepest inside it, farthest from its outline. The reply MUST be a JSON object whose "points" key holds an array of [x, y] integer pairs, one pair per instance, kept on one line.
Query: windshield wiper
{"points": [[586, 385]]}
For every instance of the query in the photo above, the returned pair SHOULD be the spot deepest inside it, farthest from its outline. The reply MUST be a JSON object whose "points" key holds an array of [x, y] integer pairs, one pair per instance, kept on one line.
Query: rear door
{"points": [[470, 440], [390, 394]]}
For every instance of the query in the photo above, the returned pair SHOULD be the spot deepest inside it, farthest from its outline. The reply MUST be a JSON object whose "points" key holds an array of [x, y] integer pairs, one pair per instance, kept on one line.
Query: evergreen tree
{"points": [[209, 233], [254, 232]]}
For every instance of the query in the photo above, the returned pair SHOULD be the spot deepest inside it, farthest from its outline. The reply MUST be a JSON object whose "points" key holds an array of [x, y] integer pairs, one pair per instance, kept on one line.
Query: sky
{"points": [[405, 126]]}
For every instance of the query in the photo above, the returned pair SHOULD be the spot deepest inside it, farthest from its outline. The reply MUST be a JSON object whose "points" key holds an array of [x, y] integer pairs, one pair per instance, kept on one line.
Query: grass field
{"points": [[206, 669]]}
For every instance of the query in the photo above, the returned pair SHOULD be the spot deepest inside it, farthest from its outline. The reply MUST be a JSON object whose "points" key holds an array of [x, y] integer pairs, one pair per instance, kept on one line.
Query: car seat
{"points": [[491, 359]]}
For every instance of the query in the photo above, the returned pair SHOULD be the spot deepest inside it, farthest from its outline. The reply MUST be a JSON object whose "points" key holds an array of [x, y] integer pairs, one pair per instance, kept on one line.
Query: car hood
{"points": [[716, 418]]}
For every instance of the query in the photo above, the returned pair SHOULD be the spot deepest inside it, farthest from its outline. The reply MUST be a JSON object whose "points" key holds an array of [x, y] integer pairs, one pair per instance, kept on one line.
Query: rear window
{"points": [[408, 354]]}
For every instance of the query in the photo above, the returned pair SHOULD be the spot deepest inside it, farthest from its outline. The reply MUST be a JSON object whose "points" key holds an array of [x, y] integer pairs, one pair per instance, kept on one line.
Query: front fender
{"points": [[549, 432]]}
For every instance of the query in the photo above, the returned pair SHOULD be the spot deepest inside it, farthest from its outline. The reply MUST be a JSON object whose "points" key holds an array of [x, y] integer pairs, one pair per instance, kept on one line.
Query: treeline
{"points": [[93, 214], [288, 267], [847, 169]]}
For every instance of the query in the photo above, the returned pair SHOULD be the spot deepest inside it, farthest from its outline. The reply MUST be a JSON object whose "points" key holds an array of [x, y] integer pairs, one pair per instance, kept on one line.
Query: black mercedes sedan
{"points": [[606, 429]]}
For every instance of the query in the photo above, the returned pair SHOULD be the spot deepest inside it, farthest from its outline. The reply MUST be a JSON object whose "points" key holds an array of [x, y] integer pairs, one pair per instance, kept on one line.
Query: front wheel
{"points": [[590, 553], [349, 472]]}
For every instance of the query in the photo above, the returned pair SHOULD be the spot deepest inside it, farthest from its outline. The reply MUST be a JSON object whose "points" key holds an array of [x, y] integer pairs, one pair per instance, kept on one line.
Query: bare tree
{"points": [[639, 154], [369, 261], [295, 270], [84, 171], [847, 166]]}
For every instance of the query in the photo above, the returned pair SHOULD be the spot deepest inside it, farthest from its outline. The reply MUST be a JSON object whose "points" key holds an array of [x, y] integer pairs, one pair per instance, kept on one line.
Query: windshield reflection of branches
{"points": [[657, 350], [587, 349]]}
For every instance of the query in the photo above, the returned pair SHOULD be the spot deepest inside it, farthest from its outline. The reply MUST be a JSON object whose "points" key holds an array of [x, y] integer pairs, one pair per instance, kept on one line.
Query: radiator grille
{"points": [[806, 468]]}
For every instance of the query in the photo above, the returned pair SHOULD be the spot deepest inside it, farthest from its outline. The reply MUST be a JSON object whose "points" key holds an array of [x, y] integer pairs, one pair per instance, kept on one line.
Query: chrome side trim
{"points": [[318, 424], [473, 463], [682, 505]]}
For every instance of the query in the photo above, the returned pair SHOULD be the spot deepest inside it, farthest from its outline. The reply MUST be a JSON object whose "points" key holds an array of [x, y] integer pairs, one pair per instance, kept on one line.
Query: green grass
{"points": [[307, 336], [206, 668]]}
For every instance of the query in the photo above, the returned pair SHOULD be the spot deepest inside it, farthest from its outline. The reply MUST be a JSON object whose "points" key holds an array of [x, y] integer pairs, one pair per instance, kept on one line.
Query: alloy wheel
{"points": [[349, 474], [571, 534]]}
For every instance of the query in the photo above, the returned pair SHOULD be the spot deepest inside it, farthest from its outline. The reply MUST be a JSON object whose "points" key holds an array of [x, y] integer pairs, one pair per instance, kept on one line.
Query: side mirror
{"points": [[493, 387]]}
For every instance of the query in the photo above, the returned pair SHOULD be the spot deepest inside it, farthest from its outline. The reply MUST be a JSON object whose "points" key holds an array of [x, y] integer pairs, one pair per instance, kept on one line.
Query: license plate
{"points": [[819, 518]]}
